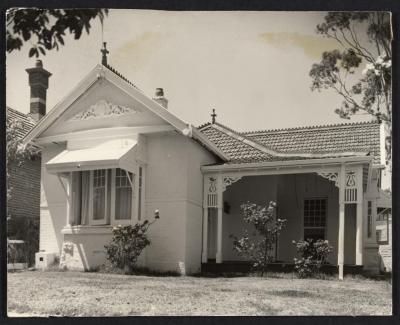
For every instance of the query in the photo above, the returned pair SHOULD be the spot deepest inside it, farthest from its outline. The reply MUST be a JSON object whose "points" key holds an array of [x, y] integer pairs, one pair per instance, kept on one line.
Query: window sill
{"points": [[87, 230]]}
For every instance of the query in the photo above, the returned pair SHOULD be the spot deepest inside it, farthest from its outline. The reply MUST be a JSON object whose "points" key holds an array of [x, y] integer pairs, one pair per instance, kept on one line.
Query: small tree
{"points": [[259, 248], [127, 244], [313, 256], [16, 152]]}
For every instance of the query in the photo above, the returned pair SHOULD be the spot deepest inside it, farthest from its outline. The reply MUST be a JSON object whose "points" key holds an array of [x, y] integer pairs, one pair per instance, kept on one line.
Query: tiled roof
{"points": [[296, 143], [237, 150], [27, 123]]}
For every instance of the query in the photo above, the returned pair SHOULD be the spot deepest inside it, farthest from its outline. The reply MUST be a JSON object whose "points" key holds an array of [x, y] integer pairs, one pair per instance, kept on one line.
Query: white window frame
{"points": [[109, 215], [326, 216], [140, 206], [97, 222], [113, 197]]}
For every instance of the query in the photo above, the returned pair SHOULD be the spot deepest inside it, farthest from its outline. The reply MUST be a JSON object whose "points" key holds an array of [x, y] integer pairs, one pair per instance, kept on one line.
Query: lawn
{"points": [[97, 294]]}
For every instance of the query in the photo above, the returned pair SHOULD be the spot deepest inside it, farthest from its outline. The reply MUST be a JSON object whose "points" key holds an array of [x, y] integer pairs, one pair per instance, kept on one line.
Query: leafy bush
{"points": [[127, 244], [314, 255], [259, 249]]}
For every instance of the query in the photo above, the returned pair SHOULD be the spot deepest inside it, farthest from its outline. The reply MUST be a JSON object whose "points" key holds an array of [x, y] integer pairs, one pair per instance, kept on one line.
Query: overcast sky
{"points": [[252, 67]]}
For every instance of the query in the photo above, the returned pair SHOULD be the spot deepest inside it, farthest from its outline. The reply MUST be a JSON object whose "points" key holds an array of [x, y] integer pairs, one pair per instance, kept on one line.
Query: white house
{"points": [[111, 155]]}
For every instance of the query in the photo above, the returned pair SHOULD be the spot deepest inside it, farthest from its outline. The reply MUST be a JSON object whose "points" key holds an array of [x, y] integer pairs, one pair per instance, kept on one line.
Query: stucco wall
{"points": [[174, 187], [53, 205], [197, 157]]}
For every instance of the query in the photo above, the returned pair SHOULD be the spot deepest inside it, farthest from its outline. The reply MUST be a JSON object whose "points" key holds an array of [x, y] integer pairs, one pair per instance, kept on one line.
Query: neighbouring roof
{"points": [[326, 141], [27, 123]]}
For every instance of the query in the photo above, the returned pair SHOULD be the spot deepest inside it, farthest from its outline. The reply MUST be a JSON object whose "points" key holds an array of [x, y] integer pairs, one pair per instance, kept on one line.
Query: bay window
{"points": [[105, 196]]}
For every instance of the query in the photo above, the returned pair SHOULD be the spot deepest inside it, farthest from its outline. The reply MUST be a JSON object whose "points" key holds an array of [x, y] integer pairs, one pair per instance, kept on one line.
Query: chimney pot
{"points": [[39, 64], [159, 98], [159, 92]]}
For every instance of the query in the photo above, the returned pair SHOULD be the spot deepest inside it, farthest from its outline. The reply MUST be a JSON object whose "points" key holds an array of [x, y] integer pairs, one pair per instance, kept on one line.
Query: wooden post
{"points": [[218, 256], [359, 231], [342, 177], [204, 253]]}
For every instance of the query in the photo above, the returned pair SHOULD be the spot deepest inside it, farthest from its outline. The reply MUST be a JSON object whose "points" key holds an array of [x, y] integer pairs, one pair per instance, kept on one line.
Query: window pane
{"points": [[123, 203], [314, 218], [99, 194], [123, 195], [140, 193], [98, 203]]}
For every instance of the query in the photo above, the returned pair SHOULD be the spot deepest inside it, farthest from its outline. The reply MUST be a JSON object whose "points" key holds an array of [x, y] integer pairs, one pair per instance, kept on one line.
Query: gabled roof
{"points": [[26, 122], [330, 141], [116, 78]]}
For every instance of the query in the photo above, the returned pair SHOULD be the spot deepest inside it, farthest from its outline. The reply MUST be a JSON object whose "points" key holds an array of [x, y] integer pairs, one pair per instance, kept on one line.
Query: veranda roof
{"points": [[111, 154], [314, 142]]}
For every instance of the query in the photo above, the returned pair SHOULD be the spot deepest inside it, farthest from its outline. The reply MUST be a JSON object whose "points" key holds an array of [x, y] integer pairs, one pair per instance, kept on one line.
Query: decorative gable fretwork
{"points": [[103, 108]]}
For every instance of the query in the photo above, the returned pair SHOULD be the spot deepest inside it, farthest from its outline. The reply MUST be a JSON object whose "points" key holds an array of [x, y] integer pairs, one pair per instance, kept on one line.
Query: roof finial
{"points": [[213, 115], [104, 51]]}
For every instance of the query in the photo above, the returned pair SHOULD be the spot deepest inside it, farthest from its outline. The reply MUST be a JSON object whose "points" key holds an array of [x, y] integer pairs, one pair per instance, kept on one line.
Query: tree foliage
{"points": [[259, 247], [46, 29], [16, 152], [314, 254], [365, 42], [127, 244]]}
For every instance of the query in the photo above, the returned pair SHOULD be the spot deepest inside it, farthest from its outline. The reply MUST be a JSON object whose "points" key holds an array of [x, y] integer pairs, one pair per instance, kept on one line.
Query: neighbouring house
{"points": [[112, 156], [24, 176], [384, 230]]}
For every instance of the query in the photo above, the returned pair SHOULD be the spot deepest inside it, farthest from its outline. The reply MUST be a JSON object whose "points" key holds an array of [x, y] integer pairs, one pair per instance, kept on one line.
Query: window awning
{"points": [[112, 154]]}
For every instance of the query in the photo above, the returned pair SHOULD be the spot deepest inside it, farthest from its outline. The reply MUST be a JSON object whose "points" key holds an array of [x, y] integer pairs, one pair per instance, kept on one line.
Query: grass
{"points": [[98, 294]]}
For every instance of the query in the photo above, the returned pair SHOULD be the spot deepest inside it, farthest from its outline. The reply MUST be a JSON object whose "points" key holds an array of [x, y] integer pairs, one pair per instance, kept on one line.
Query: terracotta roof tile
{"points": [[356, 137], [27, 123], [291, 144]]}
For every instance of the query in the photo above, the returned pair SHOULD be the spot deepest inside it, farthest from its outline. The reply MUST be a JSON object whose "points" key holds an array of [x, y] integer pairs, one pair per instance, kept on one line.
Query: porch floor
{"points": [[245, 267]]}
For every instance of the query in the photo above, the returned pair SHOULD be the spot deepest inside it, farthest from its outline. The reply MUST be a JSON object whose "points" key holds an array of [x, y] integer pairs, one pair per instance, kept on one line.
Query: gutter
{"points": [[286, 164]]}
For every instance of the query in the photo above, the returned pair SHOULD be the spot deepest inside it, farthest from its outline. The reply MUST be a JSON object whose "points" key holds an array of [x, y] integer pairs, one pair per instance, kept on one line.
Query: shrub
{"points": [[259, 249], [314, 255], [127, 244]]}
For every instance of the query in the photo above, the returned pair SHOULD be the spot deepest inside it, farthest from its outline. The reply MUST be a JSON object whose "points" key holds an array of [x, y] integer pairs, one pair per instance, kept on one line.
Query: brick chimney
{"points": [[159, 98], [39, 82]]}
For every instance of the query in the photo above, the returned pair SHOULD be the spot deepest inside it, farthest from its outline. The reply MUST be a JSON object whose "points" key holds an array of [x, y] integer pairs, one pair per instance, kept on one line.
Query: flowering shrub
{"points": [[314, 255], [259, 249], [127, 244]]}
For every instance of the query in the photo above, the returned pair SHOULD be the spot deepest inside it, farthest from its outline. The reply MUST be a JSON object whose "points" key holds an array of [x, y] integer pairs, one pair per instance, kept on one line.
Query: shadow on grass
{"points": [[292, 293]]}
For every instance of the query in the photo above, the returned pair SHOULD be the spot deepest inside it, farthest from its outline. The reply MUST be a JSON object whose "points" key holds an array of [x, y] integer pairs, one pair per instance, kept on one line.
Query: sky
{"points": [[251, 67]]}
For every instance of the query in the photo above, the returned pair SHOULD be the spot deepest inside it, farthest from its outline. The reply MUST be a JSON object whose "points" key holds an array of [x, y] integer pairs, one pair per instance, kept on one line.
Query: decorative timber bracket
{"points": [[351, 186], [215, 185], [229, 180], [334, 177]]}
